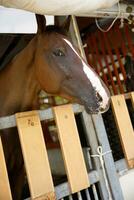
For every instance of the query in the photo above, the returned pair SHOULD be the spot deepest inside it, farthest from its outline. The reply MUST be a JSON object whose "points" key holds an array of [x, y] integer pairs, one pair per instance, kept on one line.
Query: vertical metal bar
{"points": [[107, 64], [105, 37], [108, 158], [122, 44], [130, 43], [70, 197], [79, 196], [99, 59], [95, 192], [91, 38], [87, 194], [89, 158], [114, 37], [91, 49], [93, 143]]}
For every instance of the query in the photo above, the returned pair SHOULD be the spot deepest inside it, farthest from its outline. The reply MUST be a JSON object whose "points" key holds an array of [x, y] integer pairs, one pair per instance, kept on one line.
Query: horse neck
{"points": [[18, 85]]}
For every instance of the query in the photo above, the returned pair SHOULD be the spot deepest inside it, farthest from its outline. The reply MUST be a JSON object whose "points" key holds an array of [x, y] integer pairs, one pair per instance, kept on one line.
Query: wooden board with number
{"points": [[35, 155]]}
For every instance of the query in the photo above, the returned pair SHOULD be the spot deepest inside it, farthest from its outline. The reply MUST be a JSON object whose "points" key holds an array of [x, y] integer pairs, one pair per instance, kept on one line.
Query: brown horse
{"points": [[49, 62]]}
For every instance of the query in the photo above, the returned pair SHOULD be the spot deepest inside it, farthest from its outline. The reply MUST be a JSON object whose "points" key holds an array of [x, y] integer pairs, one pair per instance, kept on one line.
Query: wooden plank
{"points": [[35, 155], [124, 127], [9, 121], [71, 148], [132, 97], [5, 192]]}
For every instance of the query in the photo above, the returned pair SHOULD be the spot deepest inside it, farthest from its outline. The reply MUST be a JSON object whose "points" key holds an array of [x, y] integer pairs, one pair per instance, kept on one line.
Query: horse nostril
{"points": [[101, 110], [99, 97]]}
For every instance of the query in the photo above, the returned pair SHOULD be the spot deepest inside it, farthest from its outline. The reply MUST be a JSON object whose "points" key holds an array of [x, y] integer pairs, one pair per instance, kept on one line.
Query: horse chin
{"points": [[99, 110]]}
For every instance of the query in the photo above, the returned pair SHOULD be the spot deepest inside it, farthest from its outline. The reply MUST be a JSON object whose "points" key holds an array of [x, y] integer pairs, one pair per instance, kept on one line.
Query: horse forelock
{"points": [[55, 29]]}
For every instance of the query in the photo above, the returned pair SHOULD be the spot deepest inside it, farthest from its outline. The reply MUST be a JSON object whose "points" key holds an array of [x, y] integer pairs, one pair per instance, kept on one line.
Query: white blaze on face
{"points": [[94, 79]]}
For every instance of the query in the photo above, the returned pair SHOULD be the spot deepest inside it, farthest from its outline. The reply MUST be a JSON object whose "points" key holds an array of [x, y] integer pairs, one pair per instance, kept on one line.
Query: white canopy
{"points": [[59, 7], [19, 21]]}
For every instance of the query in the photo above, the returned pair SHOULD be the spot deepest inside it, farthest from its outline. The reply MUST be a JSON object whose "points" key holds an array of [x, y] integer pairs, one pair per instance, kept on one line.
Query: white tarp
{"points": [[59, 7], [19, 21]]}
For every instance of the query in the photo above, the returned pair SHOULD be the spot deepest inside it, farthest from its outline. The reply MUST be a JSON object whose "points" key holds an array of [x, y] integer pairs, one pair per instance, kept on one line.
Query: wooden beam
{"points": [[124, 126], [71, 148], [35, 155], [5, 192]]}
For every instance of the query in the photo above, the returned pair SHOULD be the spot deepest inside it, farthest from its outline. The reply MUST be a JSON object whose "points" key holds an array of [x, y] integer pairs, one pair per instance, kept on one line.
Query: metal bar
{"points": [[119, 35], [87, 194], [129, 40], [63, 189], [106, 62], [99, 59], [94, 59], [105, 37], [93, 143], [95, 192], [108, 158], [70, 197], [89, 159], [9, 121], [79, 196], [114, 39]]}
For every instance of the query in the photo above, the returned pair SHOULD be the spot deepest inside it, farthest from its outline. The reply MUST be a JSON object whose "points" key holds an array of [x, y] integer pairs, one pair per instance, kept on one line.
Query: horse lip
{"points": [[99, 110]]}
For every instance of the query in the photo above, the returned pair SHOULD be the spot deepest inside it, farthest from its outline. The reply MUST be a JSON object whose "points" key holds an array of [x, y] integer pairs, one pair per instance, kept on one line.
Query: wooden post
{"points": [[35, 155], [71, 148], [125, 128], [5, 192]]}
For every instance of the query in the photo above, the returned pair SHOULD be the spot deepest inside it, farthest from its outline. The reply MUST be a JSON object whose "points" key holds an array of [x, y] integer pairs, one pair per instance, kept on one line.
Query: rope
{"points": [[118, 15], [100, 156]]}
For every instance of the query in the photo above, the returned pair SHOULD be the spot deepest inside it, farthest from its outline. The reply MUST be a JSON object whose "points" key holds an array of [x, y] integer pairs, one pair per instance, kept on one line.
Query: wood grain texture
{"points": [[71, 148], [125, 128], [5, 192], [35, 154]]}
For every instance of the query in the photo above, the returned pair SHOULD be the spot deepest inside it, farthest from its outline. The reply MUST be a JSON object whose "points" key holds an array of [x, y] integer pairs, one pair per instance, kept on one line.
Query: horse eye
{"points": [[59, 52]]}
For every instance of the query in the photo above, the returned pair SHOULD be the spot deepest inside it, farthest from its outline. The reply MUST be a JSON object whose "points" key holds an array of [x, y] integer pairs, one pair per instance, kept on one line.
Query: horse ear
{"points": [[41, 22], [63, 24], [66, 23]]}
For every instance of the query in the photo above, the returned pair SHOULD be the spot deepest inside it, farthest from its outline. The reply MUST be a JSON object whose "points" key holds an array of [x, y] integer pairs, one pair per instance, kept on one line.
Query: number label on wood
{"points": [[35, 155]]}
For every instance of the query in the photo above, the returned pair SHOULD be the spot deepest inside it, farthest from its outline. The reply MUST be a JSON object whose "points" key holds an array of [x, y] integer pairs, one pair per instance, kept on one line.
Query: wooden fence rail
{"points": [[36, 158]]}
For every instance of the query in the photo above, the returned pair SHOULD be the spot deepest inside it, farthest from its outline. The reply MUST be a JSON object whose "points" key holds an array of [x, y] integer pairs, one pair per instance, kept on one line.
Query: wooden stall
{"points": [[100, 181]]}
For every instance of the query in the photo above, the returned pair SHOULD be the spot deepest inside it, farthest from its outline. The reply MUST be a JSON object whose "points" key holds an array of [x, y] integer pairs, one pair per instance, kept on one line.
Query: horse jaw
{"points": [[101, 91]]}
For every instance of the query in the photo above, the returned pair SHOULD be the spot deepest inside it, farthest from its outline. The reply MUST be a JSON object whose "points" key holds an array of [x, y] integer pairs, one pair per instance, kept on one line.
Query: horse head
{"points": [[62, 71]]}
